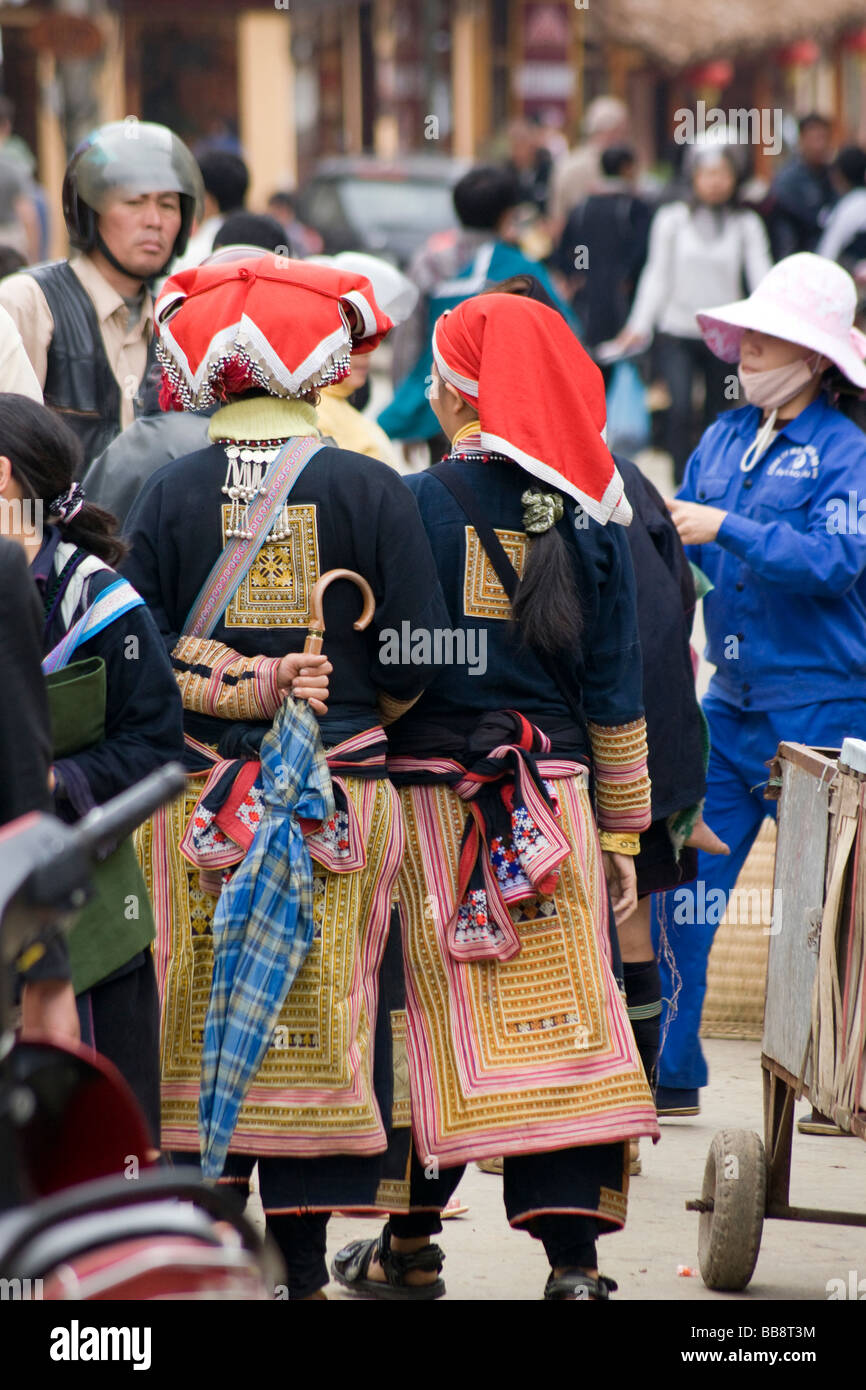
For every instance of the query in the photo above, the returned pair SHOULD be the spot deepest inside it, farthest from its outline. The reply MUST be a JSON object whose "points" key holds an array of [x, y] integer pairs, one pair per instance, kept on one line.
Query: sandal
{"points": [[576, 1285], [352, 1263]]}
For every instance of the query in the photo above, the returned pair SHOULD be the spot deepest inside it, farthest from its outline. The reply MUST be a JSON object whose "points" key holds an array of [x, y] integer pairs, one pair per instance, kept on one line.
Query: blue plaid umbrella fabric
{"points": [[263, 926]]}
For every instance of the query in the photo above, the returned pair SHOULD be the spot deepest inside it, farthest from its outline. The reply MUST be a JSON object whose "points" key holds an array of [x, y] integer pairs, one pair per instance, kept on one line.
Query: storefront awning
{"points": [[676, 33]]}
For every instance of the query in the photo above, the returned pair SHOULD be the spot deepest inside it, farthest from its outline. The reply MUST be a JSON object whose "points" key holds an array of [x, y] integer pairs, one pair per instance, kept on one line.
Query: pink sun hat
{"points": [[805, 299]]}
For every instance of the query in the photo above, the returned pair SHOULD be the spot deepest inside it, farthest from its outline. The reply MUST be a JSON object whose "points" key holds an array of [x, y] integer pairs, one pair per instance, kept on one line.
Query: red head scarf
{"points": [[540, 399], [263, 322]]}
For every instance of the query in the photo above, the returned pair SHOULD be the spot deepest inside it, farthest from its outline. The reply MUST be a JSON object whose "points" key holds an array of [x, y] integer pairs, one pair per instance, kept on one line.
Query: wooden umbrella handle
{"points": [[316, 626]]}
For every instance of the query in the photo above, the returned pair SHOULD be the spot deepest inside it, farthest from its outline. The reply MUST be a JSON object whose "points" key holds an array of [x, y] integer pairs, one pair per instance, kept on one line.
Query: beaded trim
{"points": [[229, 440], [244, 474], [212, 391], [474, 457], [247, 462]]}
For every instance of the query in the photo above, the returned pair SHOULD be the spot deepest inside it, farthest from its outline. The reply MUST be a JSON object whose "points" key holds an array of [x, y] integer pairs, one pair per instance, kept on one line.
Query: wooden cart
{"points": [[815, 1015]]}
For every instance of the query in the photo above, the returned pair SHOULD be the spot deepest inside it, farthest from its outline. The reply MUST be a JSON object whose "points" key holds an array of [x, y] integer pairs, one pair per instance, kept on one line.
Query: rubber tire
{"points": [[730, 1235]]}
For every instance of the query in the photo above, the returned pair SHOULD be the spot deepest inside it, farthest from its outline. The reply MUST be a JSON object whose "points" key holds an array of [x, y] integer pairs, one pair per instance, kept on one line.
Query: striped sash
{"points": [[111, 604]]}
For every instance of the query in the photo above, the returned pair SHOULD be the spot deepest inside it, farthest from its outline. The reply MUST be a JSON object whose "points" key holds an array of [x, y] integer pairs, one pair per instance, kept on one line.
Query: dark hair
{"points": [[226, 178], [250, 229], [283, 199], [813, 118], [46, 457], [527, 286], [844, 396], [850, 162], [615, 159], [7, 110], [10, 261], [484, 195], [546, 606]]}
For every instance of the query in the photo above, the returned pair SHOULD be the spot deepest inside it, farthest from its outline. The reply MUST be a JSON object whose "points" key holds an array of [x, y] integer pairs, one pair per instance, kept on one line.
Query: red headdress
{"points": [[540, 399], [263, 322]]}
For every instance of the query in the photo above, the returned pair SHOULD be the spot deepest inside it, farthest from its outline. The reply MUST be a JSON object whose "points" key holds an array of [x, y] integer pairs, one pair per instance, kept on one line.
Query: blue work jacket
{"points": [[786, 620]]}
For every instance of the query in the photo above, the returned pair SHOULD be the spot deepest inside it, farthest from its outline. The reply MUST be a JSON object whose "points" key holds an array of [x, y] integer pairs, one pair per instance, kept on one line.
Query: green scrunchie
{"points": [[541, 510]]}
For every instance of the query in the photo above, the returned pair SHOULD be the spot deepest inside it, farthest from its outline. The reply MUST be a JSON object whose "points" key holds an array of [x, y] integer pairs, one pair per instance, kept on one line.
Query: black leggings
{"points": [[529, 1181], [302, 1240], [119, 1017]]}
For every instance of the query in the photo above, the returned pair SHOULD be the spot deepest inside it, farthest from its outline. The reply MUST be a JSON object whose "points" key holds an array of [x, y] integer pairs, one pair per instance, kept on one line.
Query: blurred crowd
{"points": [[630, 253]]}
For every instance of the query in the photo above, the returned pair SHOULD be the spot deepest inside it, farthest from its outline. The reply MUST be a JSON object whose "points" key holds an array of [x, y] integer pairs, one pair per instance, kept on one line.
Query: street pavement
{"points": [[486, 1260]]}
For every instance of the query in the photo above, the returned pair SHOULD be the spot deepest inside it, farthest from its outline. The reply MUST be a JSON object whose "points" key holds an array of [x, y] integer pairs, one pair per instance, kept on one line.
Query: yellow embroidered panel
{"points": [[314, 1090], [401, 1109], [537, 1044], [483, 595], [276, 592], [611, 1203]]}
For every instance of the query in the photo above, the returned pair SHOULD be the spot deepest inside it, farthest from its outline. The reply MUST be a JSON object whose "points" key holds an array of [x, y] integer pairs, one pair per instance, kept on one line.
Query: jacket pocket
{"points": [[711, 486]]}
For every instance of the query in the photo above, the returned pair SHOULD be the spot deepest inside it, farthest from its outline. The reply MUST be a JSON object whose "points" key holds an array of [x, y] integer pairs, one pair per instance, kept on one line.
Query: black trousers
{"points": [[119, 1017], [538, 1190], [680, 360], [566, 1178]]}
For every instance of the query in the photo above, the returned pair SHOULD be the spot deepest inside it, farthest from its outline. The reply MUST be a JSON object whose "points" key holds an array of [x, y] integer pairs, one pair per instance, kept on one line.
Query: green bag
{"points": [[76, 702], [117, 922]]}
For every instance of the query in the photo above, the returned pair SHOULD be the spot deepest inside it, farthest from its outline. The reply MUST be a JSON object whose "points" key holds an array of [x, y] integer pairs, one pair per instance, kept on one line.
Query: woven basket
{"points": [[737, 971]]}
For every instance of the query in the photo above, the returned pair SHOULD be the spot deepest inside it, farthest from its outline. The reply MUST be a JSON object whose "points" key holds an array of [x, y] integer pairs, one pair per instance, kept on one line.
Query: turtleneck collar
{"points": [[263, 417]]}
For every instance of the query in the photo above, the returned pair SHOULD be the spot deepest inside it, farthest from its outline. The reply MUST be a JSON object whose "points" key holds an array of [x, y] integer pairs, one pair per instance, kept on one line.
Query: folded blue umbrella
{"points": [[263, 926]]}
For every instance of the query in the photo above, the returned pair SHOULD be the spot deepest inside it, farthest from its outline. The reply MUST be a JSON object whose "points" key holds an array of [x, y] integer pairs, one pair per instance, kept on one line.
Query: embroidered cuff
{"points": [[391, 709], [619, 843], [213, 679], [622, 783]]}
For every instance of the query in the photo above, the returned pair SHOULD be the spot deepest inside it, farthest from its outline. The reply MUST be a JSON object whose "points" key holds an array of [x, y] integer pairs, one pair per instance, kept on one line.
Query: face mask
{"points": [[776, 387]]}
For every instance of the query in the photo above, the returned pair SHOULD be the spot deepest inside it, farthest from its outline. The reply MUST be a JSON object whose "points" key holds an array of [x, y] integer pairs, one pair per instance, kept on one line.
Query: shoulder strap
{"points": [[55, 590], [452, 478], [238, 557], [111, 604]]}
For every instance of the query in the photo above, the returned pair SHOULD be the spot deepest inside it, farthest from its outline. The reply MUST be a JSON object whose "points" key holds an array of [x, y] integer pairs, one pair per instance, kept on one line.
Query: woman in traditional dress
{"points": [[227, 546], [519, 1043], [116, 717]]}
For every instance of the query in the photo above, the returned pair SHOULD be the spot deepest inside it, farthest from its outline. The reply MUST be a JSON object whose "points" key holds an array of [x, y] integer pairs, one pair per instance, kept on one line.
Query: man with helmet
{"points": [[130, 195]]}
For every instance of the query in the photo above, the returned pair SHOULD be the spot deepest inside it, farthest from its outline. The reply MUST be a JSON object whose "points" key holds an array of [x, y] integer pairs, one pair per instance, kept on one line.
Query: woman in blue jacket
{"points": [[769, 510]]}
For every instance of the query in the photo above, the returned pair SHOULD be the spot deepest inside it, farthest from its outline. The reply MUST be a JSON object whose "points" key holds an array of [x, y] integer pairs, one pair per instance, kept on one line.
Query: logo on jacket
{"points": [[800, 461]]}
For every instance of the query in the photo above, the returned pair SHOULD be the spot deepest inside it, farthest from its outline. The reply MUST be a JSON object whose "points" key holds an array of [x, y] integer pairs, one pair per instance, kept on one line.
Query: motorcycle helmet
{"points": [[136, 157]]}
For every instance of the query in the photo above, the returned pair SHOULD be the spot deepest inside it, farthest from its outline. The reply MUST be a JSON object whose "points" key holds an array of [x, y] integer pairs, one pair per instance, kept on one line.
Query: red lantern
{"points": [[718, 73], [855, 42], [801, 54]]}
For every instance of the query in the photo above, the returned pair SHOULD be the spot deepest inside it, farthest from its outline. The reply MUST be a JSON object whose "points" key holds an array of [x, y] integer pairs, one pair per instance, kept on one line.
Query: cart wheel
{"points": [[735, 1181]]}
